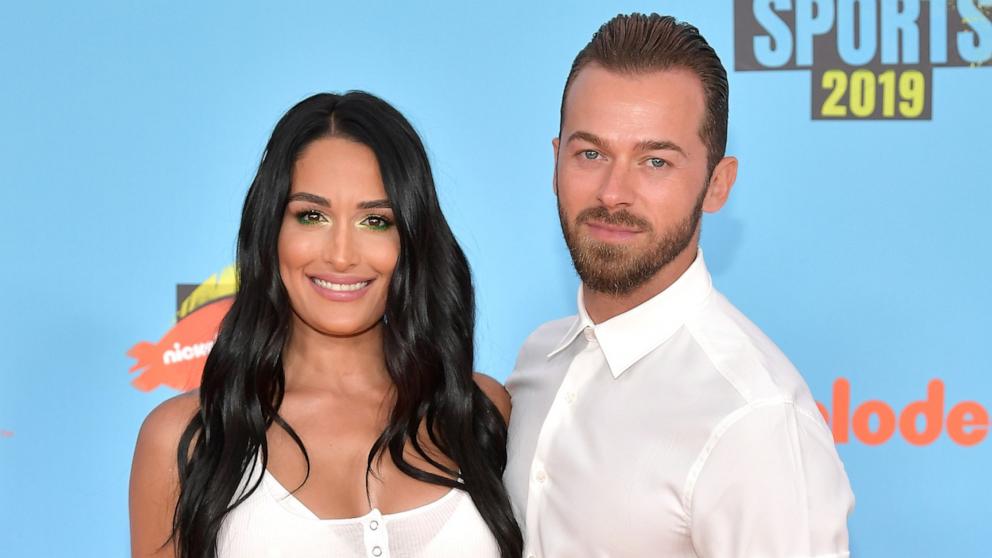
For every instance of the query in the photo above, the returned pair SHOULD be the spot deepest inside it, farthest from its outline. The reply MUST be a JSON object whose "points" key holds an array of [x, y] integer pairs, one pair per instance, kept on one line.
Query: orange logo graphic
{"points": [[6, 434], [875, 422], [177, 359]]}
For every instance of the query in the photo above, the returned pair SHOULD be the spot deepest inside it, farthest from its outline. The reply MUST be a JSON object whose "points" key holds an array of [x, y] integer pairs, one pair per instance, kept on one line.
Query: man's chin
{"points": [[610, 285], [611, 252]]}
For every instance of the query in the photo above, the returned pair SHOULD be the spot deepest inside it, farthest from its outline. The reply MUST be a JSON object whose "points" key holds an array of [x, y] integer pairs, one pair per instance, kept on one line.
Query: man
{"points": [[659, 421]]}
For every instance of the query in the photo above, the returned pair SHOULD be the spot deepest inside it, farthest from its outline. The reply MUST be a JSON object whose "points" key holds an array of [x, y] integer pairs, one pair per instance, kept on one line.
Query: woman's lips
{"points": [[340, 289]]}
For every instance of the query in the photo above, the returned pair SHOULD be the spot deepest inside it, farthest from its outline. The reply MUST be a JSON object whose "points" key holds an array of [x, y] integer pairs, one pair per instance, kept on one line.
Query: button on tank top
{"points": [[272, 523]]}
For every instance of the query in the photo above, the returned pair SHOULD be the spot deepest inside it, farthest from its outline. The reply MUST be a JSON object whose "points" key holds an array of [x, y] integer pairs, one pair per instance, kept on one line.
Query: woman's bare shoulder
{"points": [[166, 423], [495, 392], [155, 478], [159, 436]]}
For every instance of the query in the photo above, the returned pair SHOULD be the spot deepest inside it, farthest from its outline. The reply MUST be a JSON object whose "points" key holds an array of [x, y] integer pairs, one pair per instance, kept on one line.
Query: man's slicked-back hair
{"points": [[639, 43]]}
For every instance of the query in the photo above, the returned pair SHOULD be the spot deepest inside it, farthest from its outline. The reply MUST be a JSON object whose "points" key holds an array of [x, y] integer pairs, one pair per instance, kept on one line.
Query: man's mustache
{"points": [[620, 218]]}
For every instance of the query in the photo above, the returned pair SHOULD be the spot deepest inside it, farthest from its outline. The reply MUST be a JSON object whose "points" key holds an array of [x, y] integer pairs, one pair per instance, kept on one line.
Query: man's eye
{"points": [[657, 163], [590, 154]]}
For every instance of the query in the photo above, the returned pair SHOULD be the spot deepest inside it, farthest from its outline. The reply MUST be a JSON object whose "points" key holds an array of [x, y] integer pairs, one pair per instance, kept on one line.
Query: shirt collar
{"points": [[629, 337]]}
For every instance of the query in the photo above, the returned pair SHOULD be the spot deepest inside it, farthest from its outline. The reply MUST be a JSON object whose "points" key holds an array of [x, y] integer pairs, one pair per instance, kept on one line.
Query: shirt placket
{"points": [[376, 536], [582, 369]]}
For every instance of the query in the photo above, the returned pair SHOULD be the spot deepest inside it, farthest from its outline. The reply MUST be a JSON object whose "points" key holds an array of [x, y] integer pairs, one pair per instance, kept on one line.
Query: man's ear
{"points": [[554, 178], [721, 181]]}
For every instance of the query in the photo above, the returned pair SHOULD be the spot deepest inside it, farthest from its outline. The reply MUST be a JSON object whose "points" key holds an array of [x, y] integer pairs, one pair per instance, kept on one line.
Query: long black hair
{"points": [[427, 342]]}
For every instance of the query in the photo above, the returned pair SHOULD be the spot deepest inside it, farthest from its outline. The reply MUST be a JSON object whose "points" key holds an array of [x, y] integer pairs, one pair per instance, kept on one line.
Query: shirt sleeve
{"points": [[769, 484]]}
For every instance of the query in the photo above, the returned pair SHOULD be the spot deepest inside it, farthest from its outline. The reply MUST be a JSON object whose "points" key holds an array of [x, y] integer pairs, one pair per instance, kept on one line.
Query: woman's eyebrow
{"points": [[312, 198], [321, 201], [375, 204]]}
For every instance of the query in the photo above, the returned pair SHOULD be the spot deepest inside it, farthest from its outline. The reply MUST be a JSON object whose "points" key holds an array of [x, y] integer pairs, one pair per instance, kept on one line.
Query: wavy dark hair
{"points": [[428, 342]]}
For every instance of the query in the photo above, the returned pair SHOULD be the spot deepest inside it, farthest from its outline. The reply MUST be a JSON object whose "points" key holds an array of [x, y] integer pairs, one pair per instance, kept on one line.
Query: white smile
{"points": [[339, 286]]}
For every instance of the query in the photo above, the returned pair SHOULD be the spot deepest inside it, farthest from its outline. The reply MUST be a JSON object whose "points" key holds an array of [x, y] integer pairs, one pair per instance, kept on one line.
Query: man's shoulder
{"points": [[547, 336], [745, 355], [540, 343]]}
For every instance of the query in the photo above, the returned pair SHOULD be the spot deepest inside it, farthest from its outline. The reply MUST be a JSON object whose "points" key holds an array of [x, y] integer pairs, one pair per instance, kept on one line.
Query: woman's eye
{"points": [[590, 154], [376, 222], [309, 217], [657, 163]]}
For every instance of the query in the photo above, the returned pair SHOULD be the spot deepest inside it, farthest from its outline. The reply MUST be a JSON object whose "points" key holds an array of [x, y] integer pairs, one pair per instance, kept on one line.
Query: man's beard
{"points": [[617, 269]]}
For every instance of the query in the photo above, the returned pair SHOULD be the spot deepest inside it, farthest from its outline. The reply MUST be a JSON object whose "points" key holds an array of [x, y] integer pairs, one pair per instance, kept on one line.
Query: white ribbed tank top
{"points": [[272, 523]]}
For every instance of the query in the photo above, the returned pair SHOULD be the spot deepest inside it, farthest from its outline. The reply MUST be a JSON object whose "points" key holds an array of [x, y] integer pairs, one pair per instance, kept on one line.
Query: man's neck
{"points": [[602, 306]]}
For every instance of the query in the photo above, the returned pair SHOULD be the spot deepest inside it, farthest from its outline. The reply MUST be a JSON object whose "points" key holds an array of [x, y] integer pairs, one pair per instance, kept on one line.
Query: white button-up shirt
{"points": [[675, 429]]}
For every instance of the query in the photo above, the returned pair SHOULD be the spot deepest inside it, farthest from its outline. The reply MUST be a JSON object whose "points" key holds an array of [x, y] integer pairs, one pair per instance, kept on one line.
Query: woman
{"points": [[338, 413]]}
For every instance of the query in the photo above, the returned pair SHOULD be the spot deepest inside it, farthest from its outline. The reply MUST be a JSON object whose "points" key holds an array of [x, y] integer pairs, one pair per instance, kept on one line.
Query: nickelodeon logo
{"points": [[179, 353], [177, 359], [876, 422]]}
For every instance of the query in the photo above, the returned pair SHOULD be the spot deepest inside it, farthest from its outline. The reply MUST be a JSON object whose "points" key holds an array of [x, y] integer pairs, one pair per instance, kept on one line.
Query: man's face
{"points": [[631, 174]]}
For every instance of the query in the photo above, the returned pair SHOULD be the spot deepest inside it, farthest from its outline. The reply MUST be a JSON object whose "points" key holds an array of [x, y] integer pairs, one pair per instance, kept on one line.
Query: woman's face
{"points": [[337, 244]]}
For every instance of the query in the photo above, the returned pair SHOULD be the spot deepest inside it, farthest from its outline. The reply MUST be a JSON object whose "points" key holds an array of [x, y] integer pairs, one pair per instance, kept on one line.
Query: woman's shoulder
{"points": [[162, 428], [495, 392], [155, 475]]}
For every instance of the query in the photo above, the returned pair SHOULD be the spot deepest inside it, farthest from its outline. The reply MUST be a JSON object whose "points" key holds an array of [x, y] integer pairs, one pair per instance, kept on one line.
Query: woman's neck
{"points": [[344, 365]]}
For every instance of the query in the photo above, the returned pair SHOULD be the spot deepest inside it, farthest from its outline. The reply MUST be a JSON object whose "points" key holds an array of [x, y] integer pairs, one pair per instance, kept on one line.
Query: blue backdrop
{"points": [[860, 245]]}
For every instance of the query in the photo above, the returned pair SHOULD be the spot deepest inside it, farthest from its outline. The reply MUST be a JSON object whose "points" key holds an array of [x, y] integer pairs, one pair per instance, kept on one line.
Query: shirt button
{"points": [[376, 551], [373, 525], [589, 334], [571, 397], [541, 476]]}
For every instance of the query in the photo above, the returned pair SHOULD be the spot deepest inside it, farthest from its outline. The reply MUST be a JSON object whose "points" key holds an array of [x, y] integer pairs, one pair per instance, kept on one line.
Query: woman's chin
{"points": [[345, 329]]}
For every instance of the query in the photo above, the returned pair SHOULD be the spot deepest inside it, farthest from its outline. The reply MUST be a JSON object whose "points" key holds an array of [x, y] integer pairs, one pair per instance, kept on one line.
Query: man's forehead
{"points": [[634, 104]]}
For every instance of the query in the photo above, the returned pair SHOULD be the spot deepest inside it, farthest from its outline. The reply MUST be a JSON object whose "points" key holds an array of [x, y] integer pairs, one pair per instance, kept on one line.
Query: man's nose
{"points": [[616, 189]]}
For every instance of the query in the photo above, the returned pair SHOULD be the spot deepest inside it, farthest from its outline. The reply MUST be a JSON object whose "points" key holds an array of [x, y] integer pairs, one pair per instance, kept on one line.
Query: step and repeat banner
{"points": [[857, 235]]}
